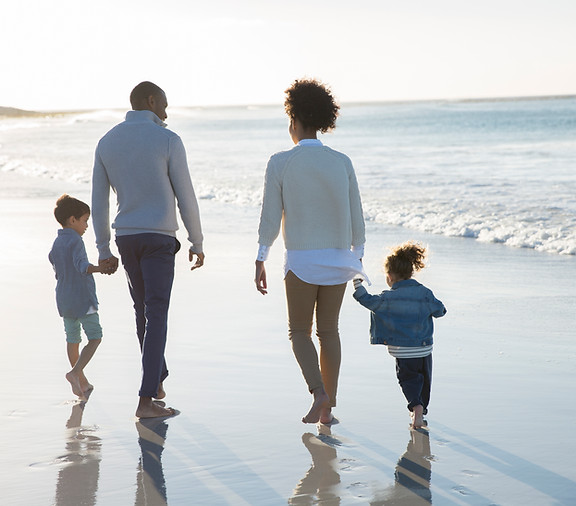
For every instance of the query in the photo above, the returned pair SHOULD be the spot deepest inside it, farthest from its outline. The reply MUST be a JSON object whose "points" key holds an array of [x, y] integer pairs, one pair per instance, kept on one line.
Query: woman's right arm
{"points": [[270, 221], [271, 213]]}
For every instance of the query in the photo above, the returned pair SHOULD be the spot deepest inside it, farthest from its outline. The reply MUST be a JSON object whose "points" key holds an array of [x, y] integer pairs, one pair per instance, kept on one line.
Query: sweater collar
{"points": [[145, 115], [310, 142]]}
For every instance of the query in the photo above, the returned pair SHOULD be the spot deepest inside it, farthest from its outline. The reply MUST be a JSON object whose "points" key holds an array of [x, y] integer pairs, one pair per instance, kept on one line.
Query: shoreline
{"points": [[504, 356]]}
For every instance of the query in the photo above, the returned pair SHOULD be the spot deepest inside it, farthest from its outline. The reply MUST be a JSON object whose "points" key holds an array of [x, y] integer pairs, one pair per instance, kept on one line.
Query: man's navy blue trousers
{"points": [[148, 260]]}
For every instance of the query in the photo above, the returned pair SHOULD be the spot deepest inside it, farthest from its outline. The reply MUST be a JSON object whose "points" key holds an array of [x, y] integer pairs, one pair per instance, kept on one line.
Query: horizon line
{"points": [[6, 111]]}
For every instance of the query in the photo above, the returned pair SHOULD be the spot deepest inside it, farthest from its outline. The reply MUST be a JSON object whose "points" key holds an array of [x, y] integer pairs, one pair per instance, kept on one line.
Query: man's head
{"points": [[147, 96]]}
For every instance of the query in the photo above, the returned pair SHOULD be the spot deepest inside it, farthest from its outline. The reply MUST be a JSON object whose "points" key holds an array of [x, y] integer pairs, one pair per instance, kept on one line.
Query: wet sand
{"points": [[502, 399]]}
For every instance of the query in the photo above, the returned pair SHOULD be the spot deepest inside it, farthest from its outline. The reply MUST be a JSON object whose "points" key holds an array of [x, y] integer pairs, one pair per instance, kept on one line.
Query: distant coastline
{"points": [[13, 112]]}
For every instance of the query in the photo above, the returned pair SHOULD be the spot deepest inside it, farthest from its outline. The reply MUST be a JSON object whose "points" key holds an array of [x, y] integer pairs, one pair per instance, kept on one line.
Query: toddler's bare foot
{"points": [[74, 381], [321, 401], [149, 409], [417, 417]]}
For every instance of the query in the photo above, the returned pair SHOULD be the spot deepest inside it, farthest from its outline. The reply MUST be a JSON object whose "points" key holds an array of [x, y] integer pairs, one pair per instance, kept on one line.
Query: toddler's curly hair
{"points": [[313, 104], [405, 259]]}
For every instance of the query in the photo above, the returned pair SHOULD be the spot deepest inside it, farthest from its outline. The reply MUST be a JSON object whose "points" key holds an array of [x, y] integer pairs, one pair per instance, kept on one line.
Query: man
{"points": [[145, 164]]}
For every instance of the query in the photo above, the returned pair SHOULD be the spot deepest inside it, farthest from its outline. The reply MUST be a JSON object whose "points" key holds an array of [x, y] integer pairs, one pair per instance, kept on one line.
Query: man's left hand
{"points": [[199, 259]]}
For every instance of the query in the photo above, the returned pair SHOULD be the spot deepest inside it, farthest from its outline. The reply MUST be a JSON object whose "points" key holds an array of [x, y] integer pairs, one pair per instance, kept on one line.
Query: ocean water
{"points": [[501, 171]]}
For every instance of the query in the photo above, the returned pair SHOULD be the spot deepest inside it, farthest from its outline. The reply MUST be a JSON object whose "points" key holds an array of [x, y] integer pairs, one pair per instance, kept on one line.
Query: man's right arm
{"points": [[101, 208]]}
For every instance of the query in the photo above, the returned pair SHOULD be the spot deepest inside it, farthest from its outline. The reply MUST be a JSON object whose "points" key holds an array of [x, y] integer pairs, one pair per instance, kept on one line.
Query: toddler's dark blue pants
{"points": [[415, 378]]}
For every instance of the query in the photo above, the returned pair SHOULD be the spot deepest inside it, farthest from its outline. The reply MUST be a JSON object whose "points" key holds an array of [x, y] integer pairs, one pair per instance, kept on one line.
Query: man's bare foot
{"points": [[161, 392], [74, 381], [149, 409], [321, 401], [417, 417]]}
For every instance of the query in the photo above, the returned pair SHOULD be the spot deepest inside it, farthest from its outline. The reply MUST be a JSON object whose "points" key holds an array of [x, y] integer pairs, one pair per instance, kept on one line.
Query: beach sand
{"points": [[500, 421]]}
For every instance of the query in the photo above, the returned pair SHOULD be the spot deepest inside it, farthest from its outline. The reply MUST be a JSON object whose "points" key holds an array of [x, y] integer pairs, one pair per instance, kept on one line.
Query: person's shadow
{"points": [[412, 474], [78, 477], [320, 484], [151, 484]]}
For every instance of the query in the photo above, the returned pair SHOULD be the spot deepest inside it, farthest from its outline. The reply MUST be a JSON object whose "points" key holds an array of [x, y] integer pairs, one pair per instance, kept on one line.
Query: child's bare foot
{"points": [[74, 381], [161, 392], [88, 391], [149, 409], [417, 417], [321, 401], [86, 386]]}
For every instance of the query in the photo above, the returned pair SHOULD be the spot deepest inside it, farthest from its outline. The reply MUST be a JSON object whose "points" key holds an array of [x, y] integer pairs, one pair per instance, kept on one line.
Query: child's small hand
{"points": [[357, 283]]}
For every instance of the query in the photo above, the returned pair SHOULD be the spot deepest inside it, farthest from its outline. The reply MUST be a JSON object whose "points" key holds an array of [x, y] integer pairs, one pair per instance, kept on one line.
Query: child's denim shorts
{"points": [[90, 323]]}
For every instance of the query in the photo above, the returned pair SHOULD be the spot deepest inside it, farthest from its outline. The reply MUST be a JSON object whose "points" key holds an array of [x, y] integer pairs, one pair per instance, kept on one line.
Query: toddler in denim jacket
{"points": [[402, 319]]}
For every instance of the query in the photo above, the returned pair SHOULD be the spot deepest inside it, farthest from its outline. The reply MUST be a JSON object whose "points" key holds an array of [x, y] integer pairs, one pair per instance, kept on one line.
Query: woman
{"points": [[311, 190]]}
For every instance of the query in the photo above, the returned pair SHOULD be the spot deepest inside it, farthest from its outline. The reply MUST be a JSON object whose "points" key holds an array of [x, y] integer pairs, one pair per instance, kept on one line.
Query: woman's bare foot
{"points": [[326, 416], [74, 381], [149, 409], [417, 417], [321, 401]]}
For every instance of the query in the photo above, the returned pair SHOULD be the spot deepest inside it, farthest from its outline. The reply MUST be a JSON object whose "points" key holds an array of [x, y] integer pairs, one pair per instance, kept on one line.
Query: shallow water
{"points": [[494, 171]]}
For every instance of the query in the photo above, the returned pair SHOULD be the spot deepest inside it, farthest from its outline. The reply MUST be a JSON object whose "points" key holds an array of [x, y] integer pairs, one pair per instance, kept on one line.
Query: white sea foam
{"points": [[493, 172]]}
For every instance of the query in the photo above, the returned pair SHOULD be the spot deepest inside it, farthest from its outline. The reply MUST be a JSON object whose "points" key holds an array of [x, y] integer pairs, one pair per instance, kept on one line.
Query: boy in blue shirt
{"points": [[401, 318], [75, 289]]}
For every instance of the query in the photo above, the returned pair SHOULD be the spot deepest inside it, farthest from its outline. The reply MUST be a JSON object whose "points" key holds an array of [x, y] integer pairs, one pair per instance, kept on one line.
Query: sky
{"points": [[71, 54]]}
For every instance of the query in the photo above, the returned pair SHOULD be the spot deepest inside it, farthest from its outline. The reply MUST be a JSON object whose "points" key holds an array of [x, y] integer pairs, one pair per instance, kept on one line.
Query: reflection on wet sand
{"points": [[320, 484], [412, 475], [78, 477], [151, 484]]}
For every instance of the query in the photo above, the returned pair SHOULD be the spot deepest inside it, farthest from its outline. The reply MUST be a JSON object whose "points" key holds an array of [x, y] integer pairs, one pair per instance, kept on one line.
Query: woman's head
{"points": [[405, 260], [312, 104]]}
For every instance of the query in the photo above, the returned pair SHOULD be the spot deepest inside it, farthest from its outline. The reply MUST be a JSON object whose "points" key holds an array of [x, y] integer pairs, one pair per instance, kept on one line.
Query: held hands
{"points": [[199, 259], [108, 265], [260, 278]]}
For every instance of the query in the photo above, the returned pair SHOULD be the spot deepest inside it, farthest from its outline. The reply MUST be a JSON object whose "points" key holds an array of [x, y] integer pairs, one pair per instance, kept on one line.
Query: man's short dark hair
{"points": [[140, 94]]}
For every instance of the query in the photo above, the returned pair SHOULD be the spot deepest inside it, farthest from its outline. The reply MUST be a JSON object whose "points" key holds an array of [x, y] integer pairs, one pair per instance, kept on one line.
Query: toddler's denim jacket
{"points": [[402, 316]]}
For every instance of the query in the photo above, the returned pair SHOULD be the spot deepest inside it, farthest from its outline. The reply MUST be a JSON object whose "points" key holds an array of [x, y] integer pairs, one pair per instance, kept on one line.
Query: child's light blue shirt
{"points": [[75, 288]]}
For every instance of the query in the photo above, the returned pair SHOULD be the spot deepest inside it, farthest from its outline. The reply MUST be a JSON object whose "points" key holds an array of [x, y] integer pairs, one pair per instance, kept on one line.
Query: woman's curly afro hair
{"points": [[311, 102]]}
